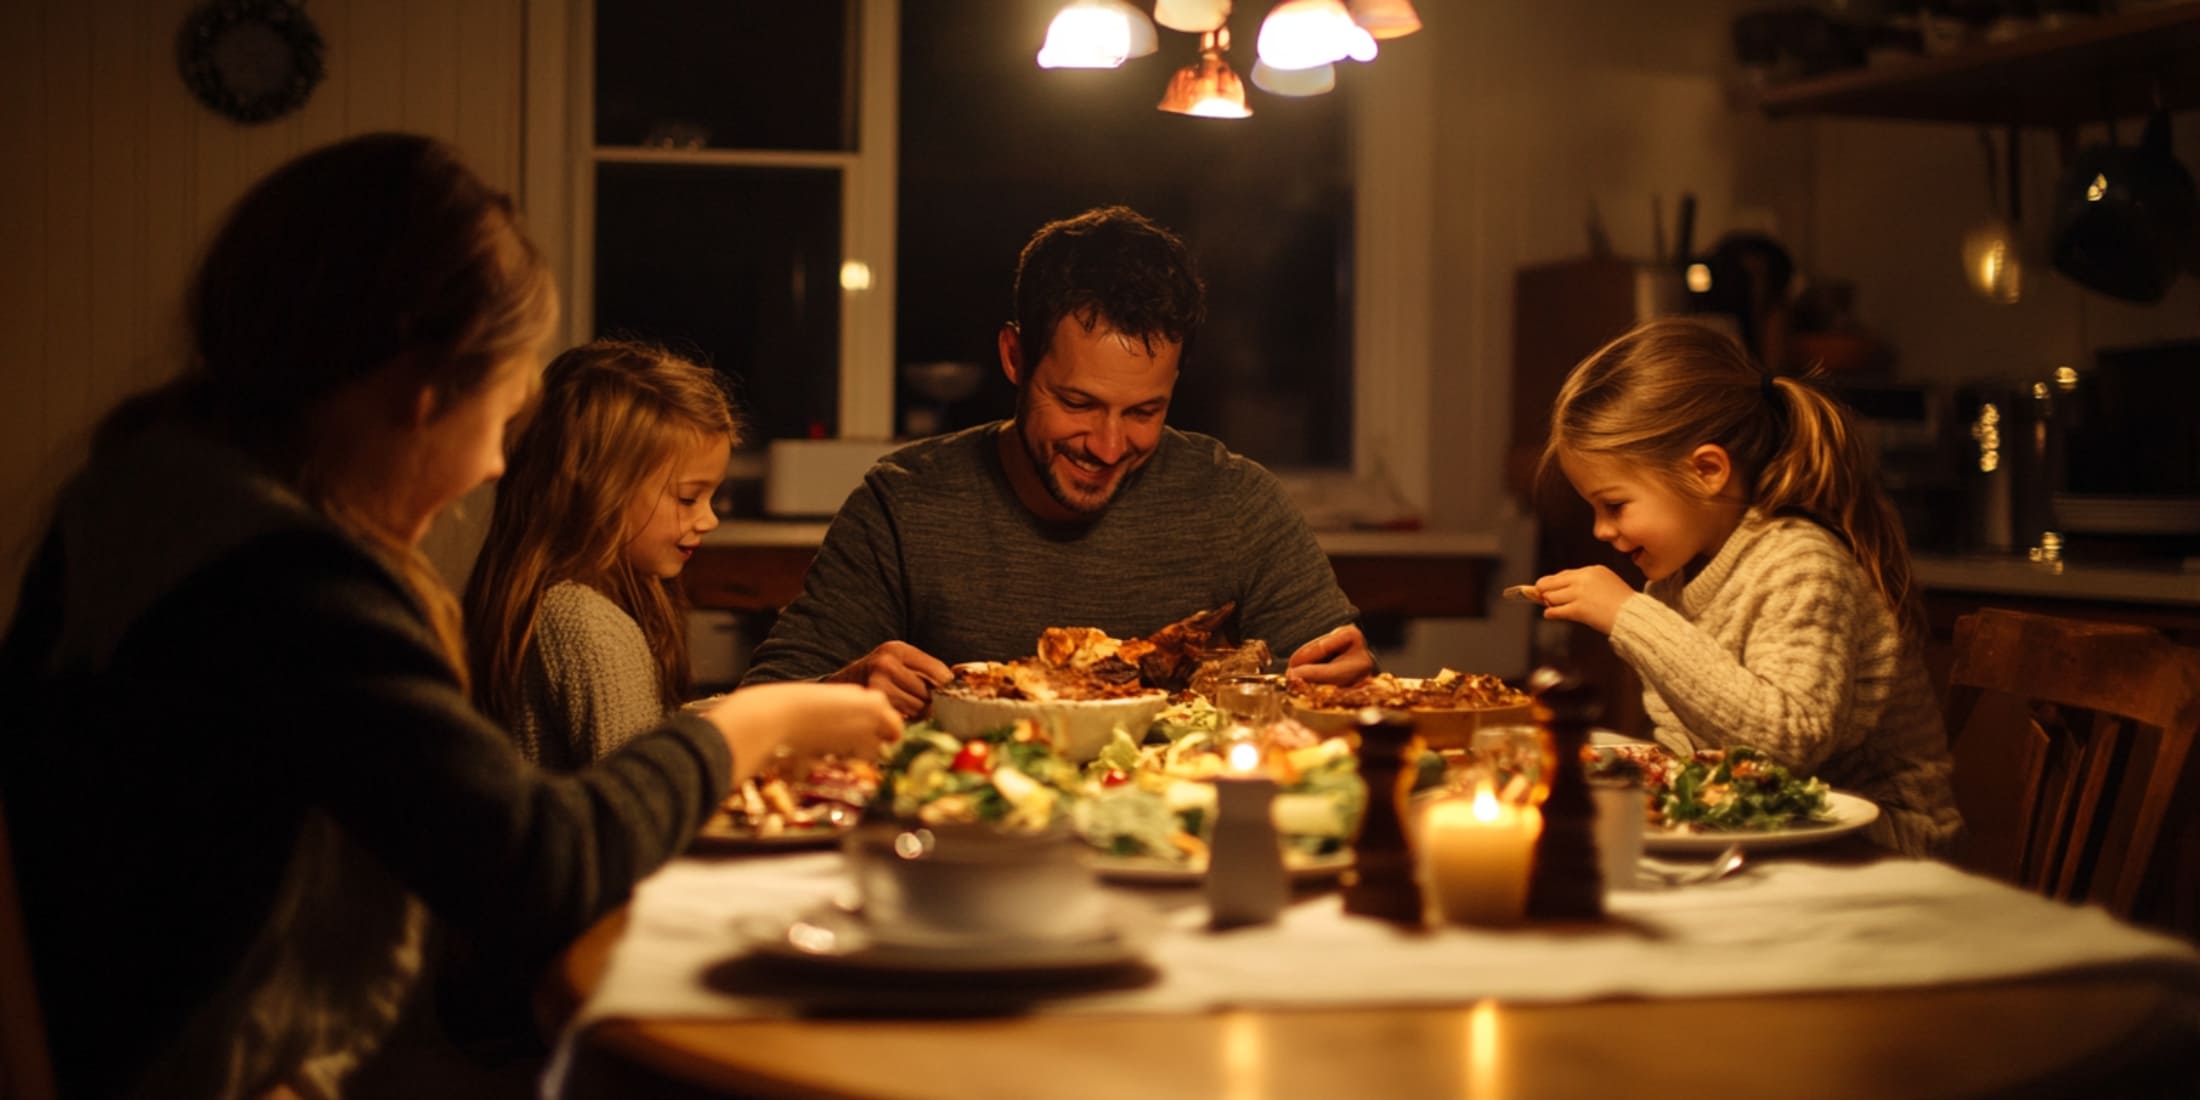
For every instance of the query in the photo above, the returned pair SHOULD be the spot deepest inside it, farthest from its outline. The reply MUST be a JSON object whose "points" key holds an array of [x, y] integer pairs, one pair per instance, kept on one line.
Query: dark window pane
{"points": [[739, 266], [992, 147], [747, 74]]}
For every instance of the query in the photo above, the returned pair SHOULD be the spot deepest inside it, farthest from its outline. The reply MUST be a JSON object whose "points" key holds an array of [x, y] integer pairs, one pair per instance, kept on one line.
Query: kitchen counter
{"points": [[757, 565], [2092, 582]]}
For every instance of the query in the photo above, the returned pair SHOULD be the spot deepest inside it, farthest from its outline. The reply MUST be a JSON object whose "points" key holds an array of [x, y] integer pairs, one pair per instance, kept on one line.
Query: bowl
{"points": [[972, 882], [1079, 728]]}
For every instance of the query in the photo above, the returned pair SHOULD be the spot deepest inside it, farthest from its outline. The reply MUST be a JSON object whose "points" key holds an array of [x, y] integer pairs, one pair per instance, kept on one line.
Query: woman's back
{"points": [[210, 671]]}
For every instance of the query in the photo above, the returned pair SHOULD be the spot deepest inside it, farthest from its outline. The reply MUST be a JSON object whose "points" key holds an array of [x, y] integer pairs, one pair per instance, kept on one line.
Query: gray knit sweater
{"points": [[1782, 644], [589, 682], [935, 549]]}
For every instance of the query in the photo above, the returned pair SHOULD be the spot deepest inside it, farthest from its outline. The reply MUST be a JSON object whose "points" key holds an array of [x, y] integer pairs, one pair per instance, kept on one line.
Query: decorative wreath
{"points": [[251, 60]]}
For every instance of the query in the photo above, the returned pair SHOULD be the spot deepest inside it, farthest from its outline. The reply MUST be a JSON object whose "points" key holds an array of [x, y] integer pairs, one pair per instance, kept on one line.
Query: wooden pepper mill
{"points": [[1381, 883], [1566, 883]]}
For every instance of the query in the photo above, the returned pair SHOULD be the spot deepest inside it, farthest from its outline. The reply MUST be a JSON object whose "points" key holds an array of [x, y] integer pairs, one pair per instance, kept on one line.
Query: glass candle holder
{"points": [[1255, 701], [1475, 856]]}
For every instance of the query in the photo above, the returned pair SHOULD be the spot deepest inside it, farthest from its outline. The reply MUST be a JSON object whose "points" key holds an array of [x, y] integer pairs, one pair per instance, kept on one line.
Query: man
{"points": [[1083, 510]]}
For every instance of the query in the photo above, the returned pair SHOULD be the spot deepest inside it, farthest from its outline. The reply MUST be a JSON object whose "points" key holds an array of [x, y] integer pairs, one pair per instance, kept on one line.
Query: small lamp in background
{"points": [[1097, 34], [1208, 88]]}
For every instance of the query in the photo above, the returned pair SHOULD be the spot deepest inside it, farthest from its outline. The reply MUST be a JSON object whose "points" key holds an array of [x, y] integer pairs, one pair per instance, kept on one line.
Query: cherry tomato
{"points": [[1115, 777], [976, 756]]}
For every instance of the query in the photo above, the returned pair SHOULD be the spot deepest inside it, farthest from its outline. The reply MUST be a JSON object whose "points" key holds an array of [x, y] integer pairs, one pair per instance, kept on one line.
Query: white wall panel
{"points": [[117, 177]]}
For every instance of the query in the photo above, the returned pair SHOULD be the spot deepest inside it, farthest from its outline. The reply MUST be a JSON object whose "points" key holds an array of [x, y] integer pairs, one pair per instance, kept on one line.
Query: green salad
{"points": [[1150, 796], [1740, 789]]}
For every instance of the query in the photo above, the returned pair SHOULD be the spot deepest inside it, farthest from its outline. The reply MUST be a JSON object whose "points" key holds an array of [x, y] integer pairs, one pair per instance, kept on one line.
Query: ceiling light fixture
{"points": [[1208, 87], [1097, 34], [1300, 43]]}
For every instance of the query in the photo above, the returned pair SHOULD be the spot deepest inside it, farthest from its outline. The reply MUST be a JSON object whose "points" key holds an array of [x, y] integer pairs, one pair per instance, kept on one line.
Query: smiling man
{"points": [[1085, 509]]}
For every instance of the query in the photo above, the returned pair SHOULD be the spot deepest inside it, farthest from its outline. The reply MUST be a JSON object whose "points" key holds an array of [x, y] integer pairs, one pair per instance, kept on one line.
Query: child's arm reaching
{"points": [[1771, 662], [1590, 596]]}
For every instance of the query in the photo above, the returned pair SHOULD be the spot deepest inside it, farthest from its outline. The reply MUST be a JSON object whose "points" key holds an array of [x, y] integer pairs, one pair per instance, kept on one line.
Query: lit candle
{"points": [[1475, 858]]}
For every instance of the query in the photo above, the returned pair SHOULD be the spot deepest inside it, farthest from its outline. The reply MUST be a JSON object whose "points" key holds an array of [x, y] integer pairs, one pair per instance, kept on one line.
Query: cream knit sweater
{"points": [[1782, 644]]}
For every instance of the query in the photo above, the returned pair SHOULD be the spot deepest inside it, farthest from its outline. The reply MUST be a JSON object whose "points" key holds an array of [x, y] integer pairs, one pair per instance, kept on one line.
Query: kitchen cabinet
{"points": [[2114, 66]]}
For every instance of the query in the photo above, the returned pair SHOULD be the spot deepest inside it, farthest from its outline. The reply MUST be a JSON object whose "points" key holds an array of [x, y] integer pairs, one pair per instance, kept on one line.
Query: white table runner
{"points": [[1778, 927]]}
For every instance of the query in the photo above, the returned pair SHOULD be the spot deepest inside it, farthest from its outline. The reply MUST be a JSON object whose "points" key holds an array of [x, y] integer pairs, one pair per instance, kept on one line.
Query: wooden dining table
{"points": [[2117, 1033]]}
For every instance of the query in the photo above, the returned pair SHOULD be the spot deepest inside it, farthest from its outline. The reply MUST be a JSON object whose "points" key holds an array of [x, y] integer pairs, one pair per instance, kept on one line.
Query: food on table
{"points": [[1084, 663], [1011, 776], [1147, 794], [827, 794], [1082, 685], [1717, 790], [1447, 709], [1449, 689]]}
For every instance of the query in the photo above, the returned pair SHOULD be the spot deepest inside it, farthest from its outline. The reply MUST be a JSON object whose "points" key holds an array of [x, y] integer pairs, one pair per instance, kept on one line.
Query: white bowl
{"points": [[1079, 728]]}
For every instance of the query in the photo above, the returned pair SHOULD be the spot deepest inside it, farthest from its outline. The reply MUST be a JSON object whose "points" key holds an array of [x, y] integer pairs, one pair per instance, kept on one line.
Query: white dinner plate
{"points": [[1149, 871], [1848, 814], [828, 937]]}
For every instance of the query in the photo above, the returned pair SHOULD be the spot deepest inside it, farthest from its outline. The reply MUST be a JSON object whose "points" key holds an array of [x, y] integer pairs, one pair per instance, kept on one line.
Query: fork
{"points": [[1726, 863]]}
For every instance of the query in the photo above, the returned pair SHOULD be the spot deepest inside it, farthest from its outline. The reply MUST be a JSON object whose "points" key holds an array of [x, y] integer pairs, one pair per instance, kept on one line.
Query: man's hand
{"points": [[903, 673], [1338, 657], [1590, 596]]}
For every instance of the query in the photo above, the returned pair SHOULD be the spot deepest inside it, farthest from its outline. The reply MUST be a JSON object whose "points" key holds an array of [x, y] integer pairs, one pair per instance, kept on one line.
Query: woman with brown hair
{"points": [[245, 771]]}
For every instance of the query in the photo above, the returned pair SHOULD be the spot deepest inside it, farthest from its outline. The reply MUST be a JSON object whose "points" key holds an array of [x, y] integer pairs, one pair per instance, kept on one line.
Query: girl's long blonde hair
{"points": [[612, 417], [1654, 395]]}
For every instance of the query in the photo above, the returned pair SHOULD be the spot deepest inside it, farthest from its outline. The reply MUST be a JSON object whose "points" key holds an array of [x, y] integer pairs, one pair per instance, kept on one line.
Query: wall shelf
{"points": [[2110, 67]]}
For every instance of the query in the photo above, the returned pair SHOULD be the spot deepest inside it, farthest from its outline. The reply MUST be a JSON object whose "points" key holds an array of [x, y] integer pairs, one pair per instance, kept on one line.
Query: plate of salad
{"points": [[1719, 798]]}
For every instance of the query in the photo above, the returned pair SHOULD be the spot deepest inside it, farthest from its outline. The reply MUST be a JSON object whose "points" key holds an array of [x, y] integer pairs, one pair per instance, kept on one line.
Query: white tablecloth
{"points": [[1779, 926]]}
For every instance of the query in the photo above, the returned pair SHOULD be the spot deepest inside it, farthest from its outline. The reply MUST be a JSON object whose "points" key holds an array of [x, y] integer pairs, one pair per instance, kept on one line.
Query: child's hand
{"points": [[770, 721], [904, 673], [1589, 596]]}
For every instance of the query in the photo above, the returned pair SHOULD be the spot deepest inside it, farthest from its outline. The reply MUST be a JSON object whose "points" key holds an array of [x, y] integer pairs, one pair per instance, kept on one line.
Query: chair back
{"points": [[2071, 742], [26, 1071]]}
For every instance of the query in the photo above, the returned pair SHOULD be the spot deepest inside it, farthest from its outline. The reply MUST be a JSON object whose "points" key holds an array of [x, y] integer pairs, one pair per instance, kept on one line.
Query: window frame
{"points": [[1393, 207]]}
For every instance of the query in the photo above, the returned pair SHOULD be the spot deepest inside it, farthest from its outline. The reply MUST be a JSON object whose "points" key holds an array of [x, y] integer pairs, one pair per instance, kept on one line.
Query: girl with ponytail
{"points": [[1779, 612]]}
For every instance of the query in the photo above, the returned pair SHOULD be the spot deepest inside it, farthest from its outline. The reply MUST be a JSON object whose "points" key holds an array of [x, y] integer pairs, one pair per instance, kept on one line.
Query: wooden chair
{"points": [[2072, 742], [25, 1071]]}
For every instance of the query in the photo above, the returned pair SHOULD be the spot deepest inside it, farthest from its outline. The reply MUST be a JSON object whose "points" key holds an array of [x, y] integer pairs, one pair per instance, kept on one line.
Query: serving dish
{"points": [[1078, 728]]}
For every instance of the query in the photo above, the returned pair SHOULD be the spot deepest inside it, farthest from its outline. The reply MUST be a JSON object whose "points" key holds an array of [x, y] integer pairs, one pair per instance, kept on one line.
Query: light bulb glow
{"points": [[1301, 34], [1086, 35]]}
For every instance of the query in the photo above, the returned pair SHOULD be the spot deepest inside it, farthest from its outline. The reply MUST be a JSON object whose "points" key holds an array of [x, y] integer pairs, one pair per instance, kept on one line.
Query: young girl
{"points": [[1779, 612], [575, 625]]}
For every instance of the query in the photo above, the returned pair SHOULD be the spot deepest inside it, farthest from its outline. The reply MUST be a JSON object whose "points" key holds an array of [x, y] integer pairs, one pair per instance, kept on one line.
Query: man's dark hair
{"points": [[1107, 266]]}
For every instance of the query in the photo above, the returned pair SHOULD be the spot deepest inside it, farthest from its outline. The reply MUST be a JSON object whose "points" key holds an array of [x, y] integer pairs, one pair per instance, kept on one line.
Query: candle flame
{"points": [[1244, 757], [1485, 803]]}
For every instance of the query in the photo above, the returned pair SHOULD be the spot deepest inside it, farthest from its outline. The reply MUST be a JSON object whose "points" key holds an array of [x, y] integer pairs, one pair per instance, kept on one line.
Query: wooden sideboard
{"points": [[757, 566]]}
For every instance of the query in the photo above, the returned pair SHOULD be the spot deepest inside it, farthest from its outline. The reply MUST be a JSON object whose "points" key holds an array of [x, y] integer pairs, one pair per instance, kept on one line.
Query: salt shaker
{"points": [[1246, 882], [1381, 882]]}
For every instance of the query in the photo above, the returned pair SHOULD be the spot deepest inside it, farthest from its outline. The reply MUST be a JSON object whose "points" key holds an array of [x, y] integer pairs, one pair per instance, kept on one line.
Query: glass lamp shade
{"points": [[1191, 16], [1096, 34], [1294, 82], [1304, 34], [1207, 88], [1385, 18]]}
